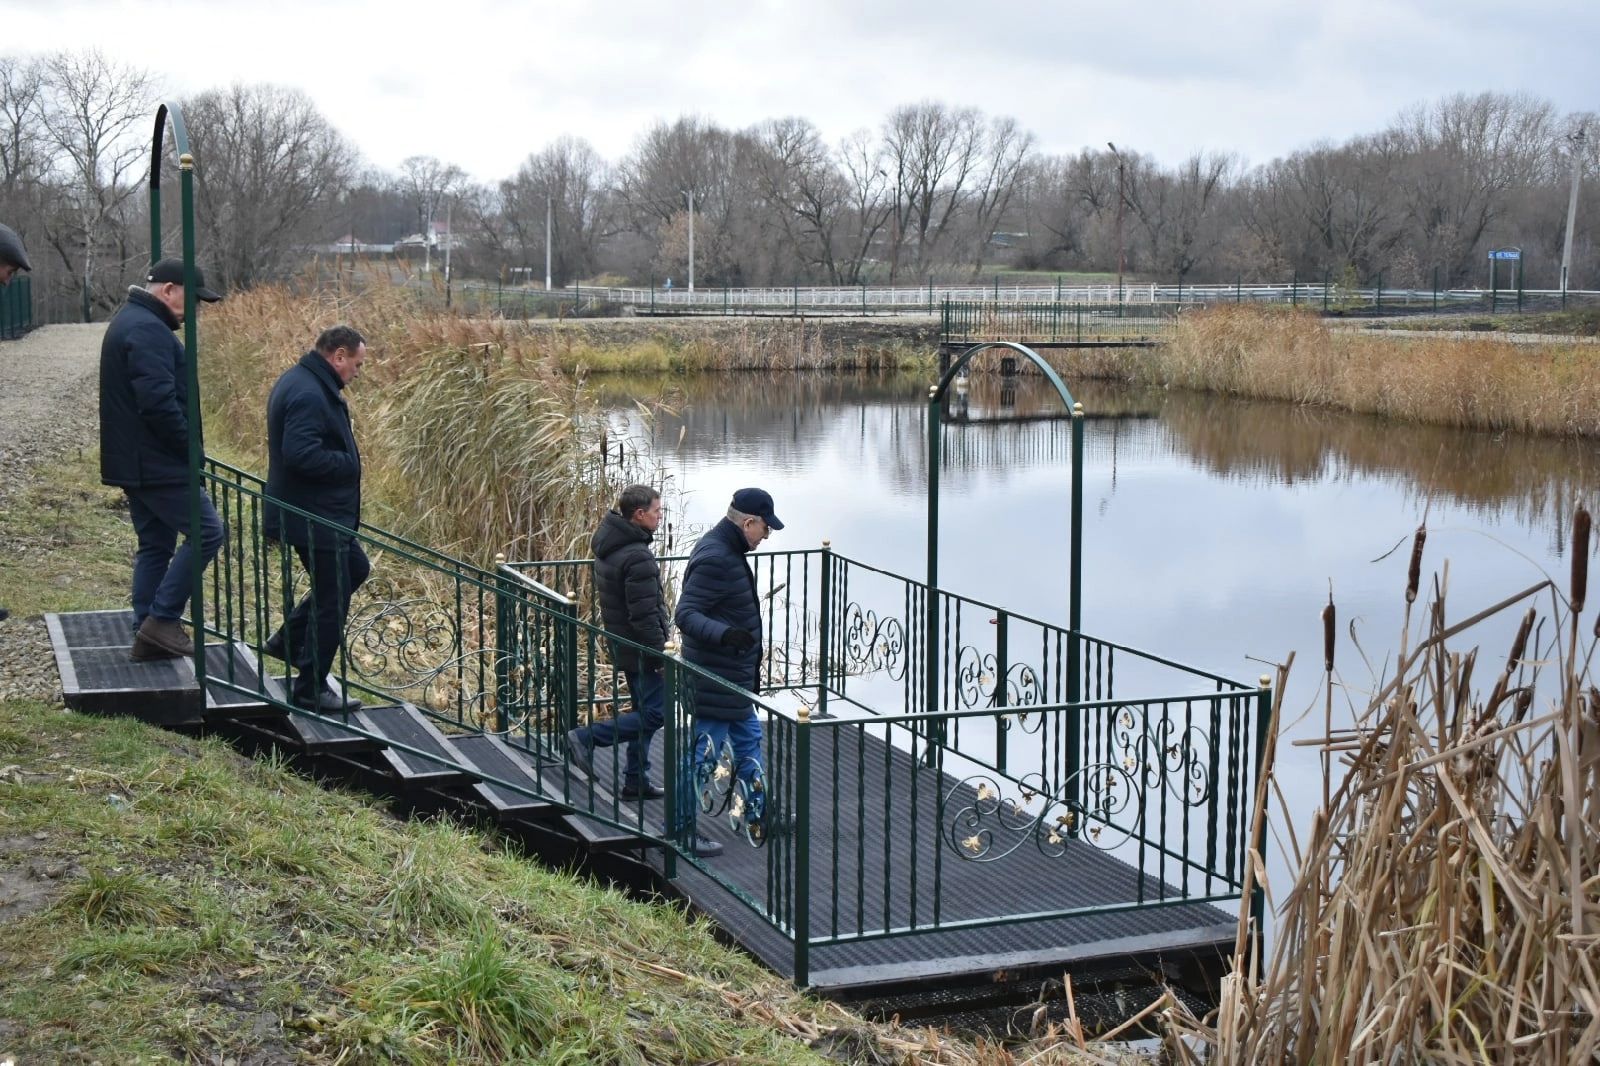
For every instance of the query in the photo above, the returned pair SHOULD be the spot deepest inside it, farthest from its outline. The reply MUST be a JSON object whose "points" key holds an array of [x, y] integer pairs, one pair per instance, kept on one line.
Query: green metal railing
{"points": [[1055, 323], [16, 307]]}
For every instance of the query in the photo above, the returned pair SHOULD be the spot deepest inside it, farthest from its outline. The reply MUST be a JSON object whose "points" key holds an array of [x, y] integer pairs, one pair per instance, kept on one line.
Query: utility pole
{"points": [[1577, 141], [690, 195], [549, 218], [448, 241], [1122, 262]]}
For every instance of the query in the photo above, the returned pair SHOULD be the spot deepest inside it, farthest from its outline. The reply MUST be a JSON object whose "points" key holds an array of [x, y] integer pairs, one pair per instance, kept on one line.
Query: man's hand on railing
{"points": [[740, 640]]}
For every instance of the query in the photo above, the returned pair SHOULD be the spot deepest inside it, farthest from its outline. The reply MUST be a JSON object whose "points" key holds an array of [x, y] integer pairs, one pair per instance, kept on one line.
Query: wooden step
{"points": [[405, 724], [237, 665], [91, 651], [490, 756]]}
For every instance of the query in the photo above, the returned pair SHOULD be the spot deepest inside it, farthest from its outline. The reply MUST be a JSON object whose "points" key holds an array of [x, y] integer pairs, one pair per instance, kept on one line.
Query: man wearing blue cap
{"points": [[719, 615], [144, 450]]}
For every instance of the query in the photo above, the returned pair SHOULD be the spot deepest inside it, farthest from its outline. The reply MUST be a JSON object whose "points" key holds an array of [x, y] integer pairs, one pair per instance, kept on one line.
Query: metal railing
{"points": [[887, 788], [16, 307]]}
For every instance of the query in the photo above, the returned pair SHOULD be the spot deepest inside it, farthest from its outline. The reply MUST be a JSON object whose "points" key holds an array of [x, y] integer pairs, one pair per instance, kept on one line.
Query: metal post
{"points": [[1122, 259], [1238, 288], [930, 636], [549, 228], [1436, 290], [1258, 899], [801, 900], [690, 195], [930, 294], [825, 632], [1519, 285], [1072, 762], [997, 288], [1377, 294], [1572, 212], [191, 353], [1326, 274], [1294, 290], [676, 777]]}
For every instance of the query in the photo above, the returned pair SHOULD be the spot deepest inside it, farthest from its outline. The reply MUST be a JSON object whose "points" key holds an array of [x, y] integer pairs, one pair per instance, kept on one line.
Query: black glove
{"points": [[740, 640]]}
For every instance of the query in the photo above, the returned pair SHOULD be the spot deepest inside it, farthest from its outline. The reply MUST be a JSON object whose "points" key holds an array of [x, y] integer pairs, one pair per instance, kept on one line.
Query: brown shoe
{"points": [[159, 639]]}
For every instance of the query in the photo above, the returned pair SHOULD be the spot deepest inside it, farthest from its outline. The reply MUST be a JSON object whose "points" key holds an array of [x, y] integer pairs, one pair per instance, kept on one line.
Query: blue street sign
{"points": [[1505, 253]]}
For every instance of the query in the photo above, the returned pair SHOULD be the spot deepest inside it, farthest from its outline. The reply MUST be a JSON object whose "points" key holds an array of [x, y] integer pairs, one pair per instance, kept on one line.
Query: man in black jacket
{"points": [[719, 615], [13, 257], [144, 450], [633, 607], [313, 465]]}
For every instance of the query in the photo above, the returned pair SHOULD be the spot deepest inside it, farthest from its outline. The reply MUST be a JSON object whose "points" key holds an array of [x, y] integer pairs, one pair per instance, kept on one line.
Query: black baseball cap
{"points": [[757, 502], [170, 271], [11, 249]]}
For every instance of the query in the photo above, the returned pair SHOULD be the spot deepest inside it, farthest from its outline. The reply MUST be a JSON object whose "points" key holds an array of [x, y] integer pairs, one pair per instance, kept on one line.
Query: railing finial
{"points": [[1266, 680]]}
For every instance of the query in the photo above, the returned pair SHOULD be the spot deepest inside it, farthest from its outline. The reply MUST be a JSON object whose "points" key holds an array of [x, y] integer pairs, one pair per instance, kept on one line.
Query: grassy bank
{"points": [[164, 898], [1293, 356]]}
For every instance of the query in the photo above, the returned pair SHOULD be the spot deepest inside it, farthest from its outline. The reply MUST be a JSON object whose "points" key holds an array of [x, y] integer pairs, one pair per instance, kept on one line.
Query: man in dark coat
{"points": [[144, 450], [13, 257], [719, 616], [633, 607], [313, 465]]}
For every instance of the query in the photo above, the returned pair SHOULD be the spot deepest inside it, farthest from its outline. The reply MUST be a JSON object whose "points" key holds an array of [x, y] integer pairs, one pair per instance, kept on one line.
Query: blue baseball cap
{"points": [[757, 502]]}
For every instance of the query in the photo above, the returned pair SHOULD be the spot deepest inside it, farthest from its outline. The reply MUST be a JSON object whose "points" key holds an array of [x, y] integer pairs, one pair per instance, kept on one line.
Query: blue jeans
{"points": [[637, 727], [745, 737], [161, 570]]}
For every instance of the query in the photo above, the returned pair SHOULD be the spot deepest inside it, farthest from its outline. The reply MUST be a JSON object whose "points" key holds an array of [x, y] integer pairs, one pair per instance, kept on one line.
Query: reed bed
{"points": [[1280, 354], [472, 440], [1446, 901]]}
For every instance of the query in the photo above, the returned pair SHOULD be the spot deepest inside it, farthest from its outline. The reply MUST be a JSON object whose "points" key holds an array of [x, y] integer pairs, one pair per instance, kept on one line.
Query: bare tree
{"points": [[269, 171], [429, 183], [932, 150], [1005, 150], [869, 202], [796, 176], [92, 111], [566, 185]]}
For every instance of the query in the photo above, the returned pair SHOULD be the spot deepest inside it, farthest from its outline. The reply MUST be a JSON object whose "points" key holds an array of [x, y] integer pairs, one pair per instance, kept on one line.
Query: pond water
{"points": [[1214, 528]]}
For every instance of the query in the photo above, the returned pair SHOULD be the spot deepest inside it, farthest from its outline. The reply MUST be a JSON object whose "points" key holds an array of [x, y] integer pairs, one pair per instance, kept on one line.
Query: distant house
{"points": [[438, 240]]}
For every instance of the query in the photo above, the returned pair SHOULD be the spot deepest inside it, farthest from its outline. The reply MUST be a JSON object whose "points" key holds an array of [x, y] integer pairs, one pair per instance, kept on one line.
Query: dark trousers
{"points": [[637, 727], [162, 581], [315, 627]]}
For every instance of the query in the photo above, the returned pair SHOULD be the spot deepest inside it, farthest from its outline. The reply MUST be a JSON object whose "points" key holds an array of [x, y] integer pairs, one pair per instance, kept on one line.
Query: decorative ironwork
{"points": [[872, 643], [1168, 755], [989, 825], [977, 682]]}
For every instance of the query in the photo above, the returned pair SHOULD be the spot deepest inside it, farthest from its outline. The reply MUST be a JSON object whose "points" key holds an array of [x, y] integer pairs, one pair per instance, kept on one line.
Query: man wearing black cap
{"points": [[13, 257], [144, 450], [719, 616]]}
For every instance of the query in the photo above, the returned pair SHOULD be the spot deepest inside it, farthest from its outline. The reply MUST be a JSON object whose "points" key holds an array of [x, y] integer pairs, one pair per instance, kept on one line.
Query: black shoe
{"points": [[329, 702], [274, 645], [649, 791], [705, 847], [4, 614], [581, 752]]}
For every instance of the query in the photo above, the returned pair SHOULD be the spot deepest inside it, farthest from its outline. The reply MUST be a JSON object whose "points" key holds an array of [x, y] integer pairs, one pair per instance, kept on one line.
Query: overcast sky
{"points": [[481, 83]]}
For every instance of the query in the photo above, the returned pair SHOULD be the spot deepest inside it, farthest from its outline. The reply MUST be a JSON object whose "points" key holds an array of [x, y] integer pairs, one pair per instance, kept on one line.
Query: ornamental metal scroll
{"points": [[988, 825], [873, 643], [977, 681], [1167, 755]]}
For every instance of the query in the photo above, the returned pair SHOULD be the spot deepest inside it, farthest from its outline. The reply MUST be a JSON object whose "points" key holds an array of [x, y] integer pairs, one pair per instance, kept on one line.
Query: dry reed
{"points": [[1445, 906], [1280, 354], [472, 441]]}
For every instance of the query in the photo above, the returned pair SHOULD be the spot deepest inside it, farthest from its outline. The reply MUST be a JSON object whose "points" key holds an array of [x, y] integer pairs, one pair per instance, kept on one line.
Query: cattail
{"points": [[1327, 634], [1580, 558], [1520, 644], [1414, 575]]}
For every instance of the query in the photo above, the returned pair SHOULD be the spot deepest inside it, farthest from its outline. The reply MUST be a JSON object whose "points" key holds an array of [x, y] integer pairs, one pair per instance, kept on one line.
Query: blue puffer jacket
{"points": [[719, 593], [312, 459]]}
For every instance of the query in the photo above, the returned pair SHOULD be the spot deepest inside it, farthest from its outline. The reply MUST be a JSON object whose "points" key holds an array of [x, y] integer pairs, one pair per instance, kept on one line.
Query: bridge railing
{"points": [[16, 307]]}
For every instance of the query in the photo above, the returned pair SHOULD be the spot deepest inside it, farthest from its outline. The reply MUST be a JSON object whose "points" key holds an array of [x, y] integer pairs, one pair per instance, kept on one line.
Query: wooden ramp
{"points": [[895, 868]]}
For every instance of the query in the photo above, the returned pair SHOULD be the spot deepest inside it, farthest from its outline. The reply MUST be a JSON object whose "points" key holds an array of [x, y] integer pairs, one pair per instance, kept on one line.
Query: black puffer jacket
{"points": [[312, 459], [144, 397], [719, 593], [628, 579]]}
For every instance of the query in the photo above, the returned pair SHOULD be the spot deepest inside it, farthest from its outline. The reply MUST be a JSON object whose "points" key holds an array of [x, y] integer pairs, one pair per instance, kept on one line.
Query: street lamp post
{"points": [[897, 230], [549, 228], [1577, 140], [690, 194], [1122, 263]]}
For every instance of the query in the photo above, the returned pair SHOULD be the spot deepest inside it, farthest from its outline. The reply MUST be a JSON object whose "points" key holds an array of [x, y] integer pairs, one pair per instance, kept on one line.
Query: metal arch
{"points": [[191, 346], [936, 395], [1022, 349]]}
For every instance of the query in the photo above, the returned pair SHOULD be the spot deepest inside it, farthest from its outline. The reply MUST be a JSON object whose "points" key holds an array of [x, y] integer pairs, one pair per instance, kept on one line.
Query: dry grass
{"points": [[1281, 354], [1446, 904]]}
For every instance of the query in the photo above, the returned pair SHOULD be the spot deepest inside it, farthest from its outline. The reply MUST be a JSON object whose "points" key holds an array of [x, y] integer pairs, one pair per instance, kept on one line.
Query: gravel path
{"points": [[49, 407]]}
